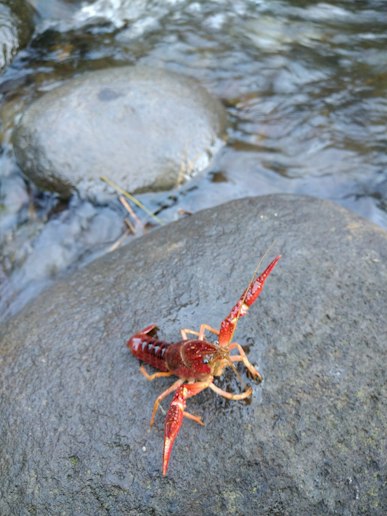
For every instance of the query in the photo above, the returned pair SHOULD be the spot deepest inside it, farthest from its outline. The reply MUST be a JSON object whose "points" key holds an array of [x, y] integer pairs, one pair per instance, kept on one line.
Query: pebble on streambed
{"points": [[146, 129]]}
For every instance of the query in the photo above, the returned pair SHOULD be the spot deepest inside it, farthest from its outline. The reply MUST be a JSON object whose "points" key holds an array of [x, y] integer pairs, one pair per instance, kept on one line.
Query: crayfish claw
{"points": [[173, 422], [176, 414], [249, 296]]}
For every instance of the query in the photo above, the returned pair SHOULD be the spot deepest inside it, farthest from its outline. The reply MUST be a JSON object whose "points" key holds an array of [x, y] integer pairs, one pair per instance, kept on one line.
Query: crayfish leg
{"points": [[204, 327], [163, 395], [153, 376], [197, 419], [201, 333], [243, 358], [185, 332], [229, 395]]}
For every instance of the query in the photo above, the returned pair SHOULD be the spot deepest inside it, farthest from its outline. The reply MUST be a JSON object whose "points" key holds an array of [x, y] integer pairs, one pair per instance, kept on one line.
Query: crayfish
{"points": [[196, 361]]}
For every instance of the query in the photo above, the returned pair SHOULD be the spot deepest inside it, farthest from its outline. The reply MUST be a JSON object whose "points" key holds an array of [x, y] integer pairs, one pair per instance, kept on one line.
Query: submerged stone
{"points": [[145, 129]]}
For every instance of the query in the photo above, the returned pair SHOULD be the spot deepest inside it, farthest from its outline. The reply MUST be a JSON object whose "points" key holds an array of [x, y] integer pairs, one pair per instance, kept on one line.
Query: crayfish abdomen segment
{"points": [[149, 350]]}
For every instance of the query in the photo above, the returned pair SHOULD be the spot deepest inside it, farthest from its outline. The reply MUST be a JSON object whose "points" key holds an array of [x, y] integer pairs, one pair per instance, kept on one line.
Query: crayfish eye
{"points": [[207, 359]]}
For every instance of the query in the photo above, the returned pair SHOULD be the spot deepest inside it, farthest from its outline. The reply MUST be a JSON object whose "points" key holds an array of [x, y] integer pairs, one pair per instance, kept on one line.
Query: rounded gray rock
{"points": [[16, 27], [143, 128], [75, 409]]}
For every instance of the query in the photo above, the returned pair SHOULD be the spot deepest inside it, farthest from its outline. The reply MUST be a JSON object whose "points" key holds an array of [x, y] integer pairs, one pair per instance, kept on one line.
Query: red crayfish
{"points": [[195, 361]]}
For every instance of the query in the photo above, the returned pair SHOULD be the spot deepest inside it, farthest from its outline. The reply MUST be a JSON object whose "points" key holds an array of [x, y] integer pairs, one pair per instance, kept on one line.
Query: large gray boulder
{"points": [[146, 129], [75, 409]]}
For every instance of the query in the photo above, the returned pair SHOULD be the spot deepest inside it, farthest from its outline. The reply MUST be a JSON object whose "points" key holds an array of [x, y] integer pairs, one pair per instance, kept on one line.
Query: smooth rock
{"points": [[146, 129], [75, 409], [16, 28]]}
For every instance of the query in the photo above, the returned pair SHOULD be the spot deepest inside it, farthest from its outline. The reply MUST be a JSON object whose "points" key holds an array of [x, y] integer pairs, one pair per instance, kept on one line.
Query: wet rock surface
{"points": [[75, 410], [146, 129], [16, 27]]}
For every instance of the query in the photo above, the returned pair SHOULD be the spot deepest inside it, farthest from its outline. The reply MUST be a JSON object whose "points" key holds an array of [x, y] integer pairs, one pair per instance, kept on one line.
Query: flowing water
{"points": [[304, 85]]}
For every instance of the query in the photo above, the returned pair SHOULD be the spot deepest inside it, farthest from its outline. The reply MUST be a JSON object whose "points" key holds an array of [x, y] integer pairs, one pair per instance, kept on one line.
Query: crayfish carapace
{"points": [[195, 361]]}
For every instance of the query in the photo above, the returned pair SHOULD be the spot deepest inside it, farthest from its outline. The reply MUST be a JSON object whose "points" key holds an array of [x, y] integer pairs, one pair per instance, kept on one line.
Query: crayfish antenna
{"points": [[249, 296]]}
